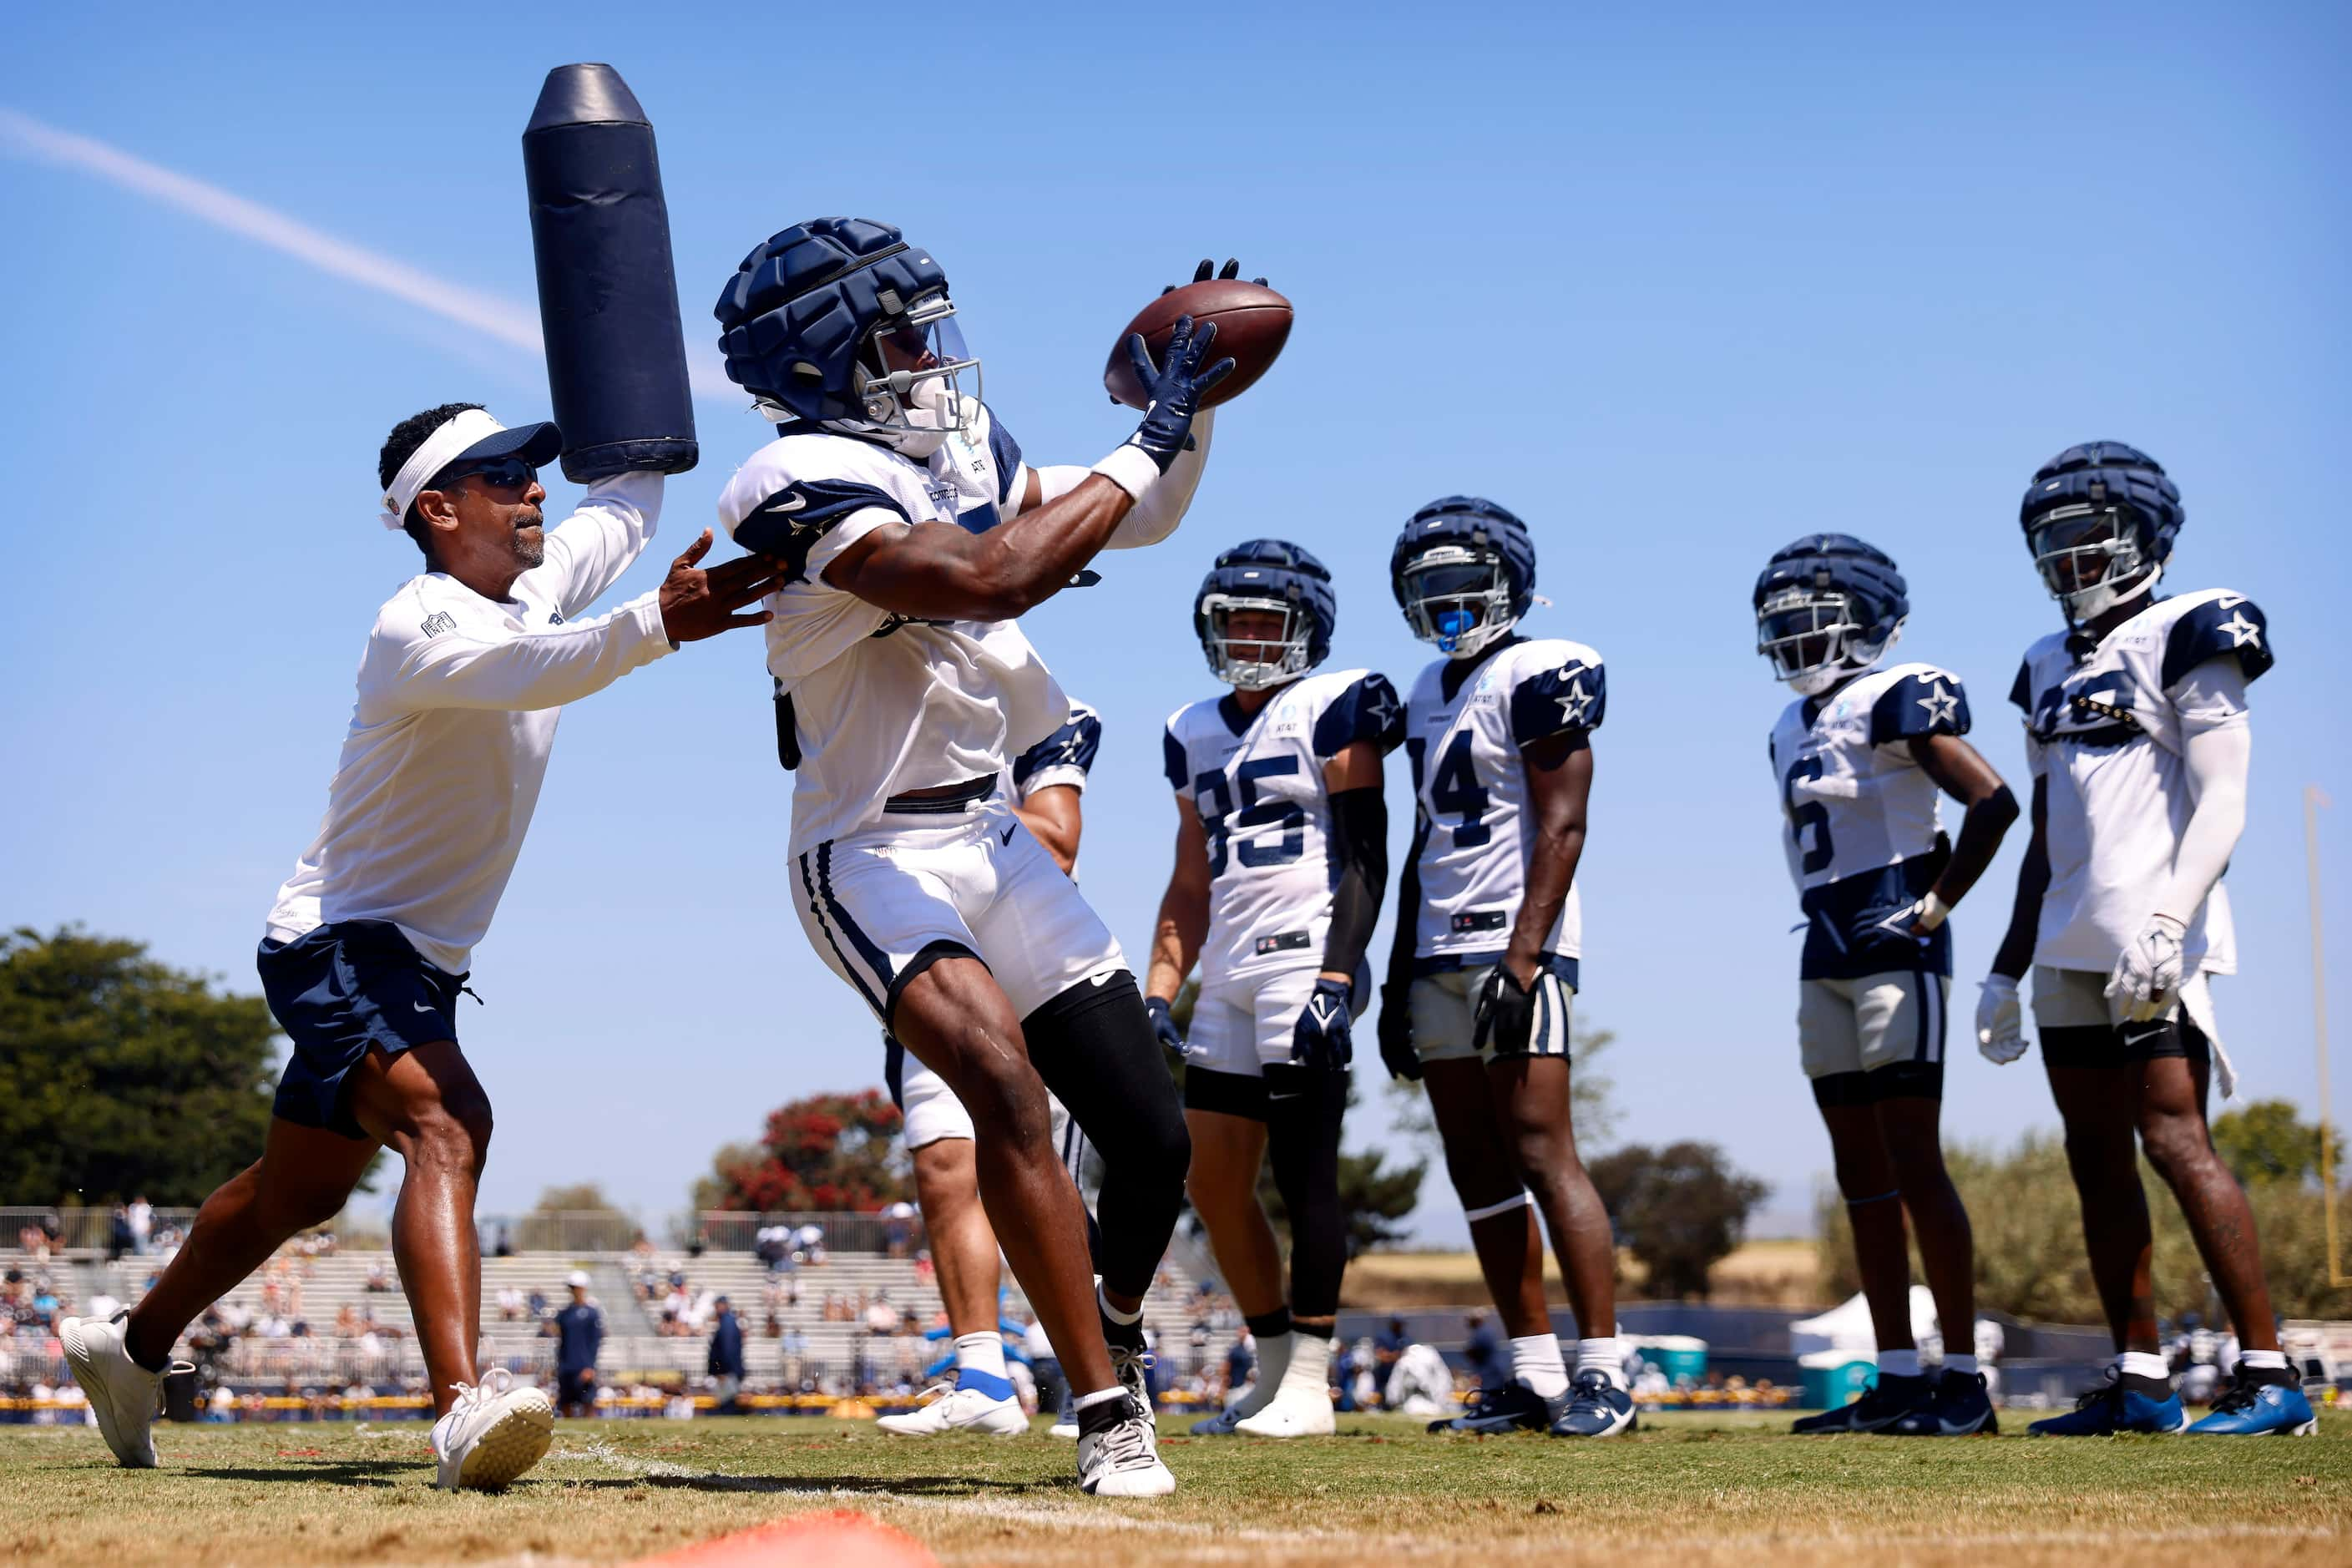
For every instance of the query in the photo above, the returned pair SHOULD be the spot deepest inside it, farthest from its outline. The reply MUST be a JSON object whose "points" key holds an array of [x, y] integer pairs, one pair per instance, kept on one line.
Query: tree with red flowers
{"points": [[838, 1152]]}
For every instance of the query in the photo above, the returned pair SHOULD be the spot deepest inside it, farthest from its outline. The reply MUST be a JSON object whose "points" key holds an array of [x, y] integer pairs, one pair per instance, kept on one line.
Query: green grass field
{"points": [[1685, 1489]]}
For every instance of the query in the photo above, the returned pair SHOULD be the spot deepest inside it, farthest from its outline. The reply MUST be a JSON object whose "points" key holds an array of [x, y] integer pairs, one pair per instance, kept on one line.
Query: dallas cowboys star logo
{"points": [[1575, 702], [2242, 630], [1382, 710], [1943, 707]]}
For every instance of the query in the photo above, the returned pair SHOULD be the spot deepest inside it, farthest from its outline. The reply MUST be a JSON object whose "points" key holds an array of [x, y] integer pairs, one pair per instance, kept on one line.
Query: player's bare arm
{"points": [[936, 570], [2015, 955], [1183, 922], [1052, 817], [1987, 807], [1560, 787]]}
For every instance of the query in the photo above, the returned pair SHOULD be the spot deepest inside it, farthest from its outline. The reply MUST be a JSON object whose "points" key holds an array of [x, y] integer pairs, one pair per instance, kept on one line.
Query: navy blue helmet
{"points": [[1464, 571], [840, 321], [1266, 574], [2100, 519], [1827, 606]]}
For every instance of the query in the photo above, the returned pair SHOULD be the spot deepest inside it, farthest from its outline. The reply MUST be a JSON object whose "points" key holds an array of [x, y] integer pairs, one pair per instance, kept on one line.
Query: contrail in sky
{"points": [[499, 319]]}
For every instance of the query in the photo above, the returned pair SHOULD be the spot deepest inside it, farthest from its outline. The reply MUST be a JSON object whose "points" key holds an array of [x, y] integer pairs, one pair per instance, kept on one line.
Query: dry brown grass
{"points": [[1759, 1274]]}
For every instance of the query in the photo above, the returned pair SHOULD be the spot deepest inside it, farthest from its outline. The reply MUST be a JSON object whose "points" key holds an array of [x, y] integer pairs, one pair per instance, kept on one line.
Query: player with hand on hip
{"points": [[2138, 735], [1281, 859], [1487, 936], [1044, 788], [1858, 760], [914, 536], [462, 681]]}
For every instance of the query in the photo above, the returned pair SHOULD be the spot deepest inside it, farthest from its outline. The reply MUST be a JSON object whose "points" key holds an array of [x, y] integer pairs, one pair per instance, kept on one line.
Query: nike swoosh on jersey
{"points": [[1010, 831], [421, 1007], [792, 502]]}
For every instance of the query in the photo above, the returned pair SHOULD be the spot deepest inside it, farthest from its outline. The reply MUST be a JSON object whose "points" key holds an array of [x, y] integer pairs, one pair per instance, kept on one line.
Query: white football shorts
{"points": [[882, 904], [1876, 1021], [1241, 1024], [1444, 1015]]}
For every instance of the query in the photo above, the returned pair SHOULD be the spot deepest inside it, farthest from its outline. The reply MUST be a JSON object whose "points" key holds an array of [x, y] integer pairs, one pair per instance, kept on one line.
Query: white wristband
{"points": [[1132, 470], [1932, 911]]}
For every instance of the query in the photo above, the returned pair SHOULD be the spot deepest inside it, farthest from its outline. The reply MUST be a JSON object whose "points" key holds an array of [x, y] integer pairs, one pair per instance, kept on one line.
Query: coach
{"points": [[460, 686]]}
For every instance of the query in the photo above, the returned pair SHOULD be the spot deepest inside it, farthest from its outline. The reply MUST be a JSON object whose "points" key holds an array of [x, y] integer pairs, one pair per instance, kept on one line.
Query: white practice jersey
{"points": [[882, 704], [1257, 781], [1858, 816], [1473, 833], [458, 695], [2104, 726]]}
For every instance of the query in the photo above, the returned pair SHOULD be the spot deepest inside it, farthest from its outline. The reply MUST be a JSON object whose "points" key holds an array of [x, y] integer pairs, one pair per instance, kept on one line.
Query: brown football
{"points": [[1253, 323]]}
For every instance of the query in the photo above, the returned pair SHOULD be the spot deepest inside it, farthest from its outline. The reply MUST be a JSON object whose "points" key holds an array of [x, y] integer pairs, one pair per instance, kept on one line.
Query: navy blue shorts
{"points": [[341, 991]]}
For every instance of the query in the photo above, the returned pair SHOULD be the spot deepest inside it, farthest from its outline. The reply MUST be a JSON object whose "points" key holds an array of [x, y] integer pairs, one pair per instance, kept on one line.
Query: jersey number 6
{"points": [[1813, 814]]}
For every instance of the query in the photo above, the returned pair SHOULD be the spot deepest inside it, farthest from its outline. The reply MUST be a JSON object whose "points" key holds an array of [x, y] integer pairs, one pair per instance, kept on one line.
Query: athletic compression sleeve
{"points": [[2217, 744], [1360, 842]]}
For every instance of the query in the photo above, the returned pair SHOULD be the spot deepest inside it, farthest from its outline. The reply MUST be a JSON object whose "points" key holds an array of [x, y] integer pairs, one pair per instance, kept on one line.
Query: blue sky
{"points": [[1676, 289]]}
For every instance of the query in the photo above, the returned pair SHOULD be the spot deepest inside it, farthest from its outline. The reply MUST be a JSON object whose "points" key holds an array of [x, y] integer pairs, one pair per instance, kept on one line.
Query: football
{"points": [[1253, 323]]}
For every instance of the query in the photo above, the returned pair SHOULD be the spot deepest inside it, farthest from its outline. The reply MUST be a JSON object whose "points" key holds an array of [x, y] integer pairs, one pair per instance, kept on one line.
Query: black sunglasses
{"points": [[497, 473]]}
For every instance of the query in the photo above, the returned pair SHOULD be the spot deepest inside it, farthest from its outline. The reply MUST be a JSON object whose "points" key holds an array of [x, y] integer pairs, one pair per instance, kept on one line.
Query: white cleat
{"points": [[961, 1410], [1293, 1413], [1066, 1424], [494, 1433], [1123, 1459], [123, 1394]]}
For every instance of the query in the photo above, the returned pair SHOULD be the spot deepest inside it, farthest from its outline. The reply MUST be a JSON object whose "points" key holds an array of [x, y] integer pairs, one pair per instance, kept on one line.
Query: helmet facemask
{"points": [[2090, 559], [1272, 658], [1458, 598], [909, 376], [1814, 637]]}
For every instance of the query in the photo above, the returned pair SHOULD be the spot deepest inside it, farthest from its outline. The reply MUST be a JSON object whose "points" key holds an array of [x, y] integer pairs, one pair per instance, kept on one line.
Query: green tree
{"points": [[2267, 1142], [121, 1076], [2030, 1259], [1679, 1210], [825, 1152], [577, 1217]]}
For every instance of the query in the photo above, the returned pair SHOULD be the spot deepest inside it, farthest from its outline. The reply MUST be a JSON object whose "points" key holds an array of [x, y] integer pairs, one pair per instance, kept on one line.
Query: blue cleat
{"points": [[1596, 1408], [1880, 1406], [1512, 1407], [1957, 1407], [2254, 1409], [2111, 1408]]}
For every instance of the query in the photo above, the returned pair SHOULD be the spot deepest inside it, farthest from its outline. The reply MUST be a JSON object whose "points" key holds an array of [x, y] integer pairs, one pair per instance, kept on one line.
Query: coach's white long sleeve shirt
{"points": [[458, 698]]}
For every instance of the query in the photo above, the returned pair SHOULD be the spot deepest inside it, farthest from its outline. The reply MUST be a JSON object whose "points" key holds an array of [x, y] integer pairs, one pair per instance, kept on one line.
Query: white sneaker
{"points": [[1123, 1460], [1292, 1413], [961, 1410], [123, 1394], [494, 1433]]}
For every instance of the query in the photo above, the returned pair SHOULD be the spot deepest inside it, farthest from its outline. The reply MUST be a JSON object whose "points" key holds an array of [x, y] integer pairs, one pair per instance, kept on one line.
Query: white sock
{"points": [[1535, 1360], [1966, 1365], [1113, 1313], [1086, 1400], [1310, 1364], [1606, 1357], [1898, 1363], [2143, 1364], [2264, 1361], [980, 1352]]}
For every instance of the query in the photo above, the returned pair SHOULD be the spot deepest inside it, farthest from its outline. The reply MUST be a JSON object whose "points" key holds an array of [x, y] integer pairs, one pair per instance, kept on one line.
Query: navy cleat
{"points": [[1512, 1407], [1957, 1407], [1882, 1405], [2111, 1408], [2265, 1409], [1596, 1408]]}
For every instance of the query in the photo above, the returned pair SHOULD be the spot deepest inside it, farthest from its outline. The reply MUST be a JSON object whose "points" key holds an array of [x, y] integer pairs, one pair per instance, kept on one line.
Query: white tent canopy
{"points": [[1846, 1327]]}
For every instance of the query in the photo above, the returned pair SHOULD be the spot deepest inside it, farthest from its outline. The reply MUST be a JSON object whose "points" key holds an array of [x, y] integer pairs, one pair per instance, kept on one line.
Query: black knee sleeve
{"points": [[1095, 1048], [1302, 1146]]}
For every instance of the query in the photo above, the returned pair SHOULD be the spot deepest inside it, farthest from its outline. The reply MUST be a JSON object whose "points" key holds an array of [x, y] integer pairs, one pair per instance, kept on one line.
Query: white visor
{"points": [[456, 438]]}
